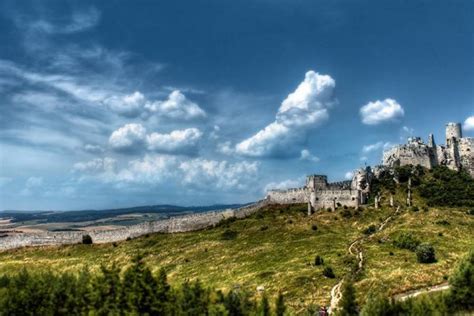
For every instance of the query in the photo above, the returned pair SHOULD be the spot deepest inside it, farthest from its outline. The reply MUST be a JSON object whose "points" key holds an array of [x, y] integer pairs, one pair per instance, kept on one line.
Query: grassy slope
{"points": [[279, 256]]}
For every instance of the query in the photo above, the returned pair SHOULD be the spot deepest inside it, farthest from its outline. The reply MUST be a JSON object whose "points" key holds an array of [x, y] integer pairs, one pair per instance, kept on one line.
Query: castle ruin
{"points": [[457, 154], [320, 194]]}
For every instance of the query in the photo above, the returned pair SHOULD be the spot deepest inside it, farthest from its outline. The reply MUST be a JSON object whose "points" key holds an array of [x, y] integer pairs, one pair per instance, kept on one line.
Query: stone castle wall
{"points": [[331, 198], [466, 154], [176, 224], [290, 196]]}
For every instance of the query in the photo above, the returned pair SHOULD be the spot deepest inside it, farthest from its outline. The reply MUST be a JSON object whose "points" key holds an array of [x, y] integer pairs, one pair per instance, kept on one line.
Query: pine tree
{"points": [[280, 307], [461, 294], [347, 304], [264, 307]]}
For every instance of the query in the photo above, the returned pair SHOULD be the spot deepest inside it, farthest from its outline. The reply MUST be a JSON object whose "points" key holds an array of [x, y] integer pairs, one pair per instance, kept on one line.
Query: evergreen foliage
{"points": [[425, 253], [110, 291], [280, 307], [347, 304]]}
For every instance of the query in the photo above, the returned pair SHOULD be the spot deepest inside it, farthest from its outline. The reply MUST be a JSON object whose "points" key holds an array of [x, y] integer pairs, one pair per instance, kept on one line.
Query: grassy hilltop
{"points": [[276, 248]]}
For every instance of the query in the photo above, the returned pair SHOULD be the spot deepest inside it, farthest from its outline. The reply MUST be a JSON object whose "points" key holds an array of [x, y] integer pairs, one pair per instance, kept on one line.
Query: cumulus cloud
{"points": [[302, 110], [177, 106], [134, 136], [376, 146], [195, 173], [179, 141], [127, 105], [307, 156], [128, 137], [469, 124], [377, 112]]}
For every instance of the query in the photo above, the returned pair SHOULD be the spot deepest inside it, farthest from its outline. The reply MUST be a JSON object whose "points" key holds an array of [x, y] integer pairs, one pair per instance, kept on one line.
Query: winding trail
{"points": [[414, 293], [355, 250]]}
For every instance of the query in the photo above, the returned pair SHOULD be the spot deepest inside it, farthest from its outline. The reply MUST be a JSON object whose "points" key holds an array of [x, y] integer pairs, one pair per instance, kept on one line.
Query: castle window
{"points": [[353, 198], [317, 199], [294, 199]]}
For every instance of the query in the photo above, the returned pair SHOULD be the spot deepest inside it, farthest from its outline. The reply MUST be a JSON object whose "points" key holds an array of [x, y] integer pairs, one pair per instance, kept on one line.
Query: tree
{"points": [[264, 306], [347, 304], [318, 260], [86, 239], [461, 294], [376, 304], [328, 272], [425, 253], [280, 307]]}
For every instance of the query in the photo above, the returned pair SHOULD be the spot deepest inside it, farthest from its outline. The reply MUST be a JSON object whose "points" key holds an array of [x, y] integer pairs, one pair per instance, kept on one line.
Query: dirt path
{"points": [[355, 250], [414, 293]]}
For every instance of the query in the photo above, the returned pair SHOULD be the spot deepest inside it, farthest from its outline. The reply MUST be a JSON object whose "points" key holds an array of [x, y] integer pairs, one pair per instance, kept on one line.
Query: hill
{"points": [[277, 247]]}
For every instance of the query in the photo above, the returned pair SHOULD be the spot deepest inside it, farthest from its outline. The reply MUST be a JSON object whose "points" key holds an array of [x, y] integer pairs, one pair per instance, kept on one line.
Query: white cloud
{"points": [[349, 175], [127, 137], [469, 124], [96, 165], [302, 110], [177, 106], [195, 173], [225, 148], [177, 141], [134, 137], [286, 184], [307, 156], [94, 149], [376, 146], [80, 21], [379, 112], [127, 105]]}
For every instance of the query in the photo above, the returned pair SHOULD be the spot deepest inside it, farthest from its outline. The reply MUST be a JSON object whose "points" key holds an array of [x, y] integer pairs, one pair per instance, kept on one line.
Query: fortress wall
{"points": [[414, 156], [185, 223], [290, 196], [466, 154], [326, 198]]}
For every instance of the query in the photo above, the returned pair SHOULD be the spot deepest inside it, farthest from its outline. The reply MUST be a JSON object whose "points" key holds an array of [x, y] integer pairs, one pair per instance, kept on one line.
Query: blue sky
{"points": [[119, 103]]}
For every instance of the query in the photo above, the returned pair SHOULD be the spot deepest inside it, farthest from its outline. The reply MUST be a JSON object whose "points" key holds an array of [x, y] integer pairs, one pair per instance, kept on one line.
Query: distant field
{"points": [[22, 221], [276, 248]]}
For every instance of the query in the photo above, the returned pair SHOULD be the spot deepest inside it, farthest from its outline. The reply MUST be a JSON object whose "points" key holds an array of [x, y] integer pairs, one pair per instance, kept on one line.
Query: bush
{"points": [[318, 260], [314, 227], [425, 253], [414, 209], [86, 239], [229, 234], [370, 230], [328, 272], [461, 293], [347, 304], [346, 213], [470, 212], [406, 241]]}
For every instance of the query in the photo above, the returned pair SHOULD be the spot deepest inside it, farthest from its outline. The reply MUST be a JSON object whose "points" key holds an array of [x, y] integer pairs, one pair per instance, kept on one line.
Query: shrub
{"points": [[470, 212], [442, 222], [370, 230], [328, 272], [318, 260], [86, 239], [265, 227], [425, 253], [346, 213], [461, 295], [347, 304], [314, 227], [229, 234], [406, 241], [414, 208]]}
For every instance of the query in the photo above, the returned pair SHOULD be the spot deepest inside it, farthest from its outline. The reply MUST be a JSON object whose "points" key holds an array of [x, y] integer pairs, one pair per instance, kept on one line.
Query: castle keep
{"points": [[318, 193], [457, 154]]}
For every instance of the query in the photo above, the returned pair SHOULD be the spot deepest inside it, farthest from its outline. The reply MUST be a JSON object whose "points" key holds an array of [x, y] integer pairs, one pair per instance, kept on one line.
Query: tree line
{"points": [[132, 291]]}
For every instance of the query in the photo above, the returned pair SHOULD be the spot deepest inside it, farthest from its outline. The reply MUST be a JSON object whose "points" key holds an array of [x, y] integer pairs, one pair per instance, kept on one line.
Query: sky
{"points": [[108, 104]]}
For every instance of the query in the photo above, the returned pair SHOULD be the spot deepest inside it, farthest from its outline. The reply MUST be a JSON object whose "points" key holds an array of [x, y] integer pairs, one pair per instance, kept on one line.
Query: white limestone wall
{"points": [[290, 196]]}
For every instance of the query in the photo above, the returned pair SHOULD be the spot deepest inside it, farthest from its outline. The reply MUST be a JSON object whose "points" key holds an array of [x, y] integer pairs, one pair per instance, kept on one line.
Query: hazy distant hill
{"points": [[93, 215]]}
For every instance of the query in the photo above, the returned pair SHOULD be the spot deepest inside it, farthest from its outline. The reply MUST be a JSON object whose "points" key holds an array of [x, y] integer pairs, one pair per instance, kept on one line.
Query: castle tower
{"points": [[431, 141], [317, 182], [453, 131]]}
